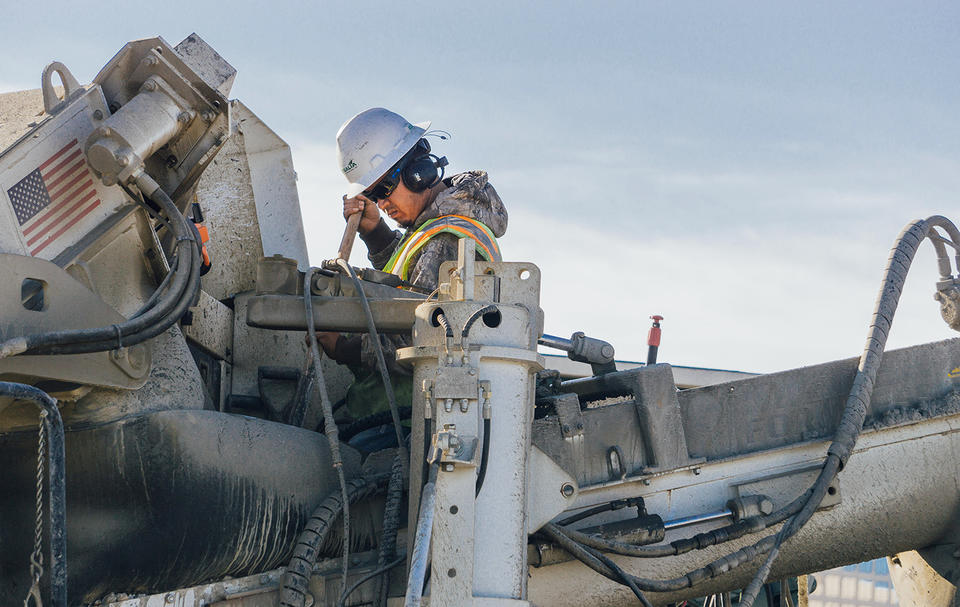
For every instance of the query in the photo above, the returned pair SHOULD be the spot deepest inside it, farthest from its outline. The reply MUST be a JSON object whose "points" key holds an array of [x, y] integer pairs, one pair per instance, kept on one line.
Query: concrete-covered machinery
{"points": [[179, 458]]}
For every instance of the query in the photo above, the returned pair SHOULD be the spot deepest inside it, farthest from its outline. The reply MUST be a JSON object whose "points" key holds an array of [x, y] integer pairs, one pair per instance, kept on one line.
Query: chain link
{"points": [[36, 559]]}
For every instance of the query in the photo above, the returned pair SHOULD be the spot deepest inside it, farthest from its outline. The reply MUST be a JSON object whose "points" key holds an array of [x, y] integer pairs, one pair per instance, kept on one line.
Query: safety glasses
{"points": [[387, 184]]}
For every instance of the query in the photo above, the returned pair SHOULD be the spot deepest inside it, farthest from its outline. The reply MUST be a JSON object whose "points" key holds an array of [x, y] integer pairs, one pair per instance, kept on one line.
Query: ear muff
{"points": [[424, 170]]}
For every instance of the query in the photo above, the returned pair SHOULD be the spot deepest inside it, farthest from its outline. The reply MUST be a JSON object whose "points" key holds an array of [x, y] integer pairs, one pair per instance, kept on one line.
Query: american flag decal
{"points": [[54, 197]]}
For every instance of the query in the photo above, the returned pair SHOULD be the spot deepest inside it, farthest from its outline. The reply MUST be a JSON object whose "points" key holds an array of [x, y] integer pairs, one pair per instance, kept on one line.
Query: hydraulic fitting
{"points": [[948, 294]]}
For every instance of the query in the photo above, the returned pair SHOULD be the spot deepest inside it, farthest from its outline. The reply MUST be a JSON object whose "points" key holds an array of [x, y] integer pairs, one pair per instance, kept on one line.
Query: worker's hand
{"points": [[371, 214], [326, 340]]}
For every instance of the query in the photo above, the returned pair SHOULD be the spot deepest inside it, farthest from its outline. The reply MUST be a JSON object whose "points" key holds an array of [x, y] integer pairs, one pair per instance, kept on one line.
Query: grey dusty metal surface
{"points": [[804, 404]]}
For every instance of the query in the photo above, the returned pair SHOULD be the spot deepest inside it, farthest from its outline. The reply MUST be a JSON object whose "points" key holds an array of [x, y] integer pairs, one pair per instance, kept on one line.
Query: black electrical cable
{"points": [[378, 349], [378, 571], [56, 484]]}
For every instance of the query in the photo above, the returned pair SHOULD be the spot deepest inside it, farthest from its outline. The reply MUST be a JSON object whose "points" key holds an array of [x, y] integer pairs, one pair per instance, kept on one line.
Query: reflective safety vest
{"points": [[458, 225]]}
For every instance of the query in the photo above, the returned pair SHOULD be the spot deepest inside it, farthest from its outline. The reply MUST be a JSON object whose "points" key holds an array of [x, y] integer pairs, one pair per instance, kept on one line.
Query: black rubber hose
{"points": [[159, 290], [443, 322], [473, 318], [56, 484], [625, 579], [378, 571], [183, 304], [295, 583], [484, 456], [700, 541], [166, 311], [381, 361], [711, 570], [391, 526], [329, 424], [371, 421], [858, 402]]}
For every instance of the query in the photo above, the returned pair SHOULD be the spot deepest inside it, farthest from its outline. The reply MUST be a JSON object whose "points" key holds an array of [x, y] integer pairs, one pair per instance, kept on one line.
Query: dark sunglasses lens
{"points": [[385, 186]]}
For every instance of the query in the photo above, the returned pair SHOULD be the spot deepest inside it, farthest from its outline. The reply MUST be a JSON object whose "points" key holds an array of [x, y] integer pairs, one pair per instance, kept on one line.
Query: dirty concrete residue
{"points": [[948, 404]]}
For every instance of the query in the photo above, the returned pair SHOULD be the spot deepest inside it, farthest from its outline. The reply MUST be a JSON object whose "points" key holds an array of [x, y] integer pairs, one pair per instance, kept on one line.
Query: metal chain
{"points": [[36, 559]]}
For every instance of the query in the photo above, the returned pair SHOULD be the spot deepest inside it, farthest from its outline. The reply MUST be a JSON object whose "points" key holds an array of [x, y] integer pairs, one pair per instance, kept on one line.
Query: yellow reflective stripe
{"points": [[486, 243]]}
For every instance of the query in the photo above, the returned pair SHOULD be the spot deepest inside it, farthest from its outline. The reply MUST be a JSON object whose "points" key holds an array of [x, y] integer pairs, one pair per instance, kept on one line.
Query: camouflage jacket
{"points": [[469, 194]]}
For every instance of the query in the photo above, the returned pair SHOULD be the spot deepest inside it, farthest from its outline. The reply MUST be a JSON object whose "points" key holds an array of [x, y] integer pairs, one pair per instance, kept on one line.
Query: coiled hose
{"points": [[294, 586]]}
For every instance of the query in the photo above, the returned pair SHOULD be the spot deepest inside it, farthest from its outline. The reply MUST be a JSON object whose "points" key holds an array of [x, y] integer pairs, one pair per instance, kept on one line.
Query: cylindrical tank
{"points": [[168, 499]]}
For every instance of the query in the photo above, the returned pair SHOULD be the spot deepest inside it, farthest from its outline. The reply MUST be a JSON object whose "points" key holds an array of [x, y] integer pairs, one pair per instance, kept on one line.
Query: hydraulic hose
{"points": [[56, 484], [711, 570], [391, 526], [166, 310], [295, 583], [329, 425], [800, 510], [855, 410], [381, 361]]}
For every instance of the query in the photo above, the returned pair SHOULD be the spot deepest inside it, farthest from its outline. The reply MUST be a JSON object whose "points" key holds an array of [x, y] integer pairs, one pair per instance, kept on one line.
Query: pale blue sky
{"points": [[739, 167]]}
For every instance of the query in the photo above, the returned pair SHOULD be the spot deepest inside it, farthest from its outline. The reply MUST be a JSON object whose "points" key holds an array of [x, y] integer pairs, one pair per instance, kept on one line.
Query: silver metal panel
{"points": [[77, 200], [274, 184], [67, 304]]}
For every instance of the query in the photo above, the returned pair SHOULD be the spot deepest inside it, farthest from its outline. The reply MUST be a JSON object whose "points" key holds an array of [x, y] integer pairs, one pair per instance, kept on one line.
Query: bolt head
{"points": [[97, 115], [169, 597], [150, 85], [448, 467]]}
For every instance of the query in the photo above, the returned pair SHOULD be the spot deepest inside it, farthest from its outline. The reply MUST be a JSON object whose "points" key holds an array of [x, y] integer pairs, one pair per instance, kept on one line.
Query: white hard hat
{"points": [[371, 142]]}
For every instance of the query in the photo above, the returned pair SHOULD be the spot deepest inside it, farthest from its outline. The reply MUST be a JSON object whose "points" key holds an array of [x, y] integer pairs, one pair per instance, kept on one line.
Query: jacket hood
{"points": [[471, 195]]}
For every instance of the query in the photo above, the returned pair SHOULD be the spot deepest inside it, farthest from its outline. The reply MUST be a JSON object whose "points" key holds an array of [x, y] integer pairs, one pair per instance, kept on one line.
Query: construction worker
{"points": [[390, 168]]}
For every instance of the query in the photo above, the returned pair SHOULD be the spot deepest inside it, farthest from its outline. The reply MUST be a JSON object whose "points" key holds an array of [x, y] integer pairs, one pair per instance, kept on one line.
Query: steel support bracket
{"points": [[569, 414]]}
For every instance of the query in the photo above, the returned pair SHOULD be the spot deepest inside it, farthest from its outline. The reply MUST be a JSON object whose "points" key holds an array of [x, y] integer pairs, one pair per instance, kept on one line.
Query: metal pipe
{"points": [[421, 547], [695, 519], [557, 343], [56, 484]]}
